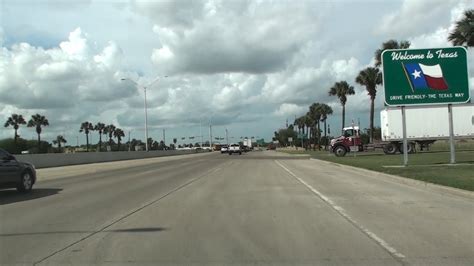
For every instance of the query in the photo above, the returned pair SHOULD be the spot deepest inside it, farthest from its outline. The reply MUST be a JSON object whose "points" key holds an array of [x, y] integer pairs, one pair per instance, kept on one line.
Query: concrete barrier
{"points": [[63, 159]]}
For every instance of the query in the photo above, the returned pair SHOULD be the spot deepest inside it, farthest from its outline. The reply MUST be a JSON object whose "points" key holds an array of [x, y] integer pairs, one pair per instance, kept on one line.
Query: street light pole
{"points": [[146, 122], [146, 112], [200, 131], [210, 136], [226, 136]]}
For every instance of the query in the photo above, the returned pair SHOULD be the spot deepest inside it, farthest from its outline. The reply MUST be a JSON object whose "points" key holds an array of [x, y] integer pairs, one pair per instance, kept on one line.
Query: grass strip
{"points": [[430, 166]]}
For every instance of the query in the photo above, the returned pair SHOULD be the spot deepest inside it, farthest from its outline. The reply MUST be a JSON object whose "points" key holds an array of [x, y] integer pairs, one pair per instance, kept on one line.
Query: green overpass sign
{"points": [[425, 76]]}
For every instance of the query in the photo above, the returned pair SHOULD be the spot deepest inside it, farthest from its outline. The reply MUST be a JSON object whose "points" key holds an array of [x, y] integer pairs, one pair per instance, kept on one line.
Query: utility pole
{"points": [[146, 114], [146, 121], [200, 131], [129, 143], [164, 137], [227, 136], [210, 135]]}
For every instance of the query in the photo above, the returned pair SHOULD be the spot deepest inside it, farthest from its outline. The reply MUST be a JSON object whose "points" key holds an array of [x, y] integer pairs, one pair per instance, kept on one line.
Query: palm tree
{"points": [[110, 131], [309, 122], [299, 122], [295, 124], [315, 112], [86, 127], [325, 110], [38, 121], [99, 127], [119, 134], [370, 78], [150, 142], [463, 34], [15, 121], [59, 139], [341, 89], [390, 44]]}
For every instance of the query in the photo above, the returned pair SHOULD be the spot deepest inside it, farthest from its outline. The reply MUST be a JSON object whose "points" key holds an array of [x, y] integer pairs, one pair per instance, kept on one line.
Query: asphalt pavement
{"points": [[260, 208]]}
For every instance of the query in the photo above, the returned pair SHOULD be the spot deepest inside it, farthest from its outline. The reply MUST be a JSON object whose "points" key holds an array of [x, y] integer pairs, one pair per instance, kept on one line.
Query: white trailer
{"points": [[248, 143], [425, 125]]}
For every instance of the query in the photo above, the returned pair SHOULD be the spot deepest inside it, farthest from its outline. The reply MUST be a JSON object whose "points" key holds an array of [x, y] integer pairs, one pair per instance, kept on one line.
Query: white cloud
{"points": [[417, 17], [345, 69], [290, 110], [171, 13], [439, 37], [434, 39], [227, 98], [68, 83], [311, 84], [256, 37], [76, 47], [111, 56], [1, 36]]}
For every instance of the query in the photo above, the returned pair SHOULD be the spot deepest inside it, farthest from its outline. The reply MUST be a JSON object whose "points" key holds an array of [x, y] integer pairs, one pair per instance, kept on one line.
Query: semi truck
{"points": [[424, 126], [247, 143]]}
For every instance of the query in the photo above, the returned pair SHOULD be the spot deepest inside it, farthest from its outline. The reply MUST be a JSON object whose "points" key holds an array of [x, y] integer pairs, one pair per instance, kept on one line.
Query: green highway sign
{"points": [[425, 76]]}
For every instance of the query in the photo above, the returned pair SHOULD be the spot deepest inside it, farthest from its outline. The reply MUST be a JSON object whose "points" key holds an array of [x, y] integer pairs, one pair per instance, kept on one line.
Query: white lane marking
{"points": [[343, 213]]}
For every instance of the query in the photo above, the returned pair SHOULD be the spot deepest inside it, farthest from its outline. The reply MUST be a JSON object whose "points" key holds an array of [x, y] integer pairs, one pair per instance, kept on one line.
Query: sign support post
{"points": [[451, 135], [405, 141], [353, 139]]}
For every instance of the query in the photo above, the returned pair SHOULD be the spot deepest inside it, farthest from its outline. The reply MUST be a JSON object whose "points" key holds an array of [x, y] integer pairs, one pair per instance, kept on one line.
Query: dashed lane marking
{"points": [[393, 252]]}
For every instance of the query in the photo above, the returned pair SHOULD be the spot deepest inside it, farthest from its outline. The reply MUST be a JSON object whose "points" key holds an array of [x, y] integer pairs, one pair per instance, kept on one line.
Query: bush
{"points": [[24, 145], [10, 146]]}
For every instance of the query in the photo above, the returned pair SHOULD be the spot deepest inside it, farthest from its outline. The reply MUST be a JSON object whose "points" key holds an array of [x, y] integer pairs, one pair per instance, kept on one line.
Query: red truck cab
{"points": [[349, 141]]}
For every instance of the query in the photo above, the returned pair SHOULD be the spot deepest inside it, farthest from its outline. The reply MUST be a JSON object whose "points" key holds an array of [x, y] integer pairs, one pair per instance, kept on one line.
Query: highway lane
{"points": [[63, 210], [261, 208]]}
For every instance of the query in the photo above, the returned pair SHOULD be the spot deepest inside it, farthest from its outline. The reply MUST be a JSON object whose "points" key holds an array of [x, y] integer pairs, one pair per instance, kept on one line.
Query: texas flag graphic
{"points": [[424, 77]]}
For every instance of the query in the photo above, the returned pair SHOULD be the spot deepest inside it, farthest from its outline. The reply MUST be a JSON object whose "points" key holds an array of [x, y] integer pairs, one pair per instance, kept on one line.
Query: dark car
{"points": [[16, 174]]}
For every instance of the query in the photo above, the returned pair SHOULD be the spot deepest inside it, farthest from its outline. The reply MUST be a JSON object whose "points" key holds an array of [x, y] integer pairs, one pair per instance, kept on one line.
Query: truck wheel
{"points": [[411, 148], [390, 148], [340, 151], [26, 182]]}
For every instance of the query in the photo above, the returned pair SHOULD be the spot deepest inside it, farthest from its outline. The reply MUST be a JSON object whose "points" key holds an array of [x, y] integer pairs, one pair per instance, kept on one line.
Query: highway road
{"points": [[260, 208]]}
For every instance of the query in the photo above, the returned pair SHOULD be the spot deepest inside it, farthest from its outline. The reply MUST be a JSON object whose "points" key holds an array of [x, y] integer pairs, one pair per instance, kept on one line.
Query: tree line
{"points": [[39, 121], [108, 131]]}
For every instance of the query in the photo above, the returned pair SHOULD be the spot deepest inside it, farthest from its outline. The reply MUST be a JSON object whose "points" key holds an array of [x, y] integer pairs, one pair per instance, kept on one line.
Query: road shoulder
{"points": [[407, 181]]}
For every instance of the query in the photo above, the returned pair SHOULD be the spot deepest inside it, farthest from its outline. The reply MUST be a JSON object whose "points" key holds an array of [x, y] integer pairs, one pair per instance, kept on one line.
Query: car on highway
{"points": [[206, 148], [16, 174], [224, 149], [234, 148]]}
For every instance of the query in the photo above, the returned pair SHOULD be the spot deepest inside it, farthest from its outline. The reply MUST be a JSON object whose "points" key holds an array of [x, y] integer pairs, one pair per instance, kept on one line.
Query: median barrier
{"points": [[63, 159]]}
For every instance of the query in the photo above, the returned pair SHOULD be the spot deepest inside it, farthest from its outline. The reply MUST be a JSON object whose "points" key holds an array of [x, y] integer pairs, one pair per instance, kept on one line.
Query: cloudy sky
{"points": [[244, 65]]}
